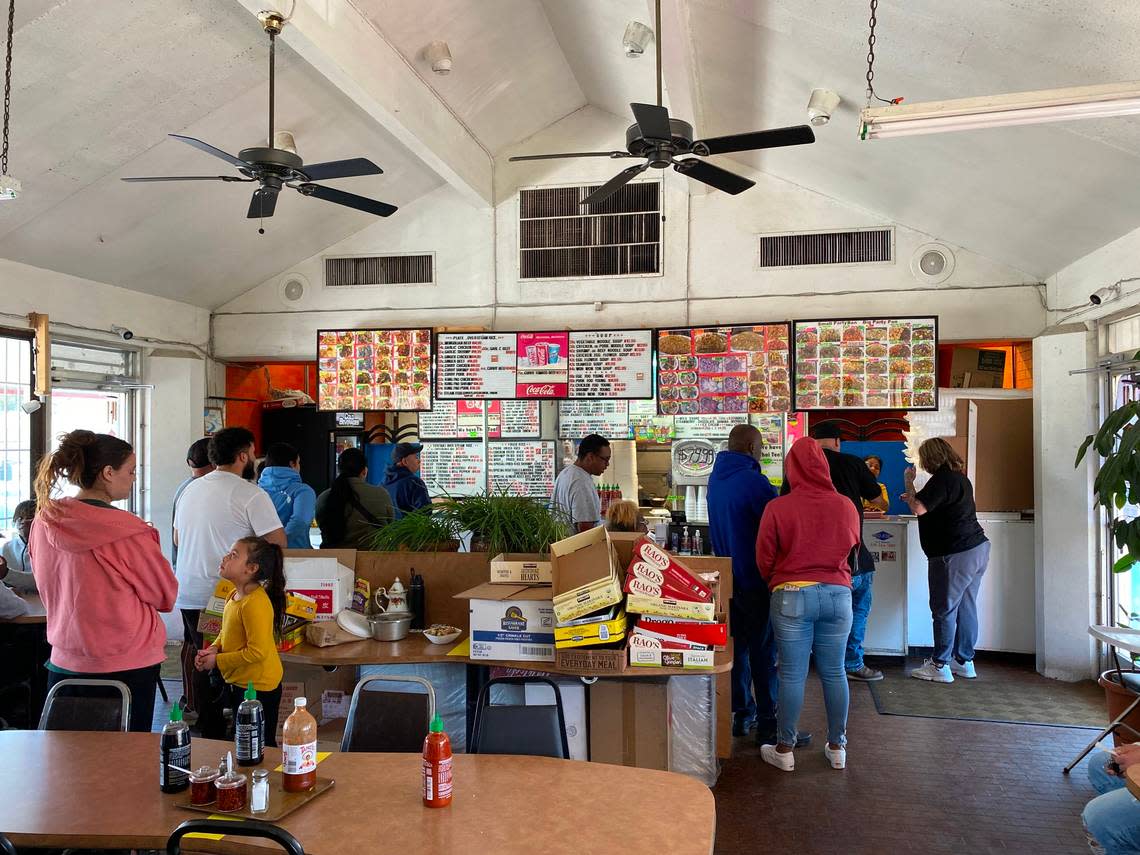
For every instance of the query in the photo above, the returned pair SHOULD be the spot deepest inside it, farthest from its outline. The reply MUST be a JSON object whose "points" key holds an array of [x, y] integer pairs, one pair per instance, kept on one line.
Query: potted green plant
{"points": [[418, 531], [1117, 484], [501, 523]]}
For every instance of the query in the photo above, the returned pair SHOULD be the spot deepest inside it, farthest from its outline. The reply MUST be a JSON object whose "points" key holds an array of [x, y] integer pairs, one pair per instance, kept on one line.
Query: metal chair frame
{"points": [[234, 828], [105, 684], [484, 702], [381, 678]]}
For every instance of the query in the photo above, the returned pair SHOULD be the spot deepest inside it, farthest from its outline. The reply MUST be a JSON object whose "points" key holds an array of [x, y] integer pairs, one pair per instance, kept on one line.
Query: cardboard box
{"points": [[654, 564], [584, 573], [611, 659], [642, 605], [971, 368], [312, 682], [518, 568], [585, 633], [641, 579], [648, 657], [714, 635], [324, 579], [300, 606], [512, 623], [629, 723], [659, 641]]}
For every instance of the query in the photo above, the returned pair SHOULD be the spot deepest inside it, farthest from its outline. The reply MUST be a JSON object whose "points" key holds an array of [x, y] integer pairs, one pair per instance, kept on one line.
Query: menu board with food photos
{"points": [[867, 364], [374, 370], [521, 468], [737, 369], [454, 468]]}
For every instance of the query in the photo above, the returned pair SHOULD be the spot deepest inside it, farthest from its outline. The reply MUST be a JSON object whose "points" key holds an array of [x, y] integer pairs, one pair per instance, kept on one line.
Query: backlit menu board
{"points": [[453, 468], [577, 419], [521, 468], [464, 420], [587, 364], [374, 369], [611, 364], [707, 427], [867, 364], [646, 426], [738, 369]]}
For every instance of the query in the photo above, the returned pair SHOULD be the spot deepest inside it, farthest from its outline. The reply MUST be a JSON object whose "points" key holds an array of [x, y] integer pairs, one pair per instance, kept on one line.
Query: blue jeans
{"points": [[860, 610], [1112, 818], [754, 658], [954, 582], [811, 620]]}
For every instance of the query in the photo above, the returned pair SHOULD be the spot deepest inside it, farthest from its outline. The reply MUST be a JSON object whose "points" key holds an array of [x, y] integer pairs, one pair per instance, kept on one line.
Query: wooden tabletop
{"points": [[1132, 780], [100, 790], [36, 612], [417, 649]]}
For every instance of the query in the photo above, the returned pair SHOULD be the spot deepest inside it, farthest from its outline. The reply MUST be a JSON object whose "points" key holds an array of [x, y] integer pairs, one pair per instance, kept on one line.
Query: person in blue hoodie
{"points": [[402, 480], [738, 494], [294, 500]]}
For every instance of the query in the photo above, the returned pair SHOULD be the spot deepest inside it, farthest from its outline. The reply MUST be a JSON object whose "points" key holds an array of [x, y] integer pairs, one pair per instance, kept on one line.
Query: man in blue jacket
{"points": [[402, 480], [738, 493], [295, 501]]}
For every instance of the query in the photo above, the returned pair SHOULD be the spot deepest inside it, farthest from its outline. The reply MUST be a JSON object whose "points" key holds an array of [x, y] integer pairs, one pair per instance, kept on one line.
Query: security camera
{"points": [[636, 39], [1103, 295], [122, 332], [31, 406], [821, 104]]}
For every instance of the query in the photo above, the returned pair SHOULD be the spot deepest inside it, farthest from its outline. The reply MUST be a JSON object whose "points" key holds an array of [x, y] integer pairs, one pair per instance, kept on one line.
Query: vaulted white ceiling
{"points": [[99, 83]]}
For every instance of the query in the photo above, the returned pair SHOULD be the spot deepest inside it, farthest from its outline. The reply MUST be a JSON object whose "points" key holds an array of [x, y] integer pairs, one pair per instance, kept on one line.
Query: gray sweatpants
{"points": [[954, 582]]}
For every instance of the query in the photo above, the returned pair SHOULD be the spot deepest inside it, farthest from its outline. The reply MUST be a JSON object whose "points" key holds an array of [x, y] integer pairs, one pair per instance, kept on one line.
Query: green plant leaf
{"points": [[1084, 447], [1123, 564]]}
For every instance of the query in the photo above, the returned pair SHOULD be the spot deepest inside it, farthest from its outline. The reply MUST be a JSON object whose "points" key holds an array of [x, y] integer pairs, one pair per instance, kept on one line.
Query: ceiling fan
{"points": [[662, 140], [273, 168]]}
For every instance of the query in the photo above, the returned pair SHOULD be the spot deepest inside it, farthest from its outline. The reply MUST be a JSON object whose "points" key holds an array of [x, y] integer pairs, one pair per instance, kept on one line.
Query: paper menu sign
{"points": [[577, 419], [464, 420], [542, 365], [522, 468], [519, 420], [453, 468], [475, 365], [439, 422], [611, 364]]}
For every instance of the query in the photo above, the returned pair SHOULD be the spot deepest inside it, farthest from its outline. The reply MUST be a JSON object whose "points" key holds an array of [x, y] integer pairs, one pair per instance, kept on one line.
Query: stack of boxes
{"points": [[588, 602], [299, 611]]}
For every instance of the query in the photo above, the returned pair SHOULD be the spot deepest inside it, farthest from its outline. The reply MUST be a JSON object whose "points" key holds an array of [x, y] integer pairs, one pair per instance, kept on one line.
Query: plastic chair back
{"points": [[83, 704], [389, 721], [538, 730], [234, 828]]}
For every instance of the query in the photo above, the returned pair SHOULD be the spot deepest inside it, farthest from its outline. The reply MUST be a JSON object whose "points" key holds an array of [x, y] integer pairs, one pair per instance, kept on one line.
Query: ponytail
{"points": [[270, 563], [80, 458], [334, 517]]}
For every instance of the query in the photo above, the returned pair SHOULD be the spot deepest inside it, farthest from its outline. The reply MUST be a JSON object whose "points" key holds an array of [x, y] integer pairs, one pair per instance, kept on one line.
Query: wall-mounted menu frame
{"points": [[521, 468], [454, 468], [577, 419], [537, 365], [374, 370], [866, 364], [464, 420], [739, 368]]}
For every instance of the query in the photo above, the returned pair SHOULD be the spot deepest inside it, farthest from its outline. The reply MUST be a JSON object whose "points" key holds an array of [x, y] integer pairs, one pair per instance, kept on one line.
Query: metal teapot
{"points": [[397, 597]]}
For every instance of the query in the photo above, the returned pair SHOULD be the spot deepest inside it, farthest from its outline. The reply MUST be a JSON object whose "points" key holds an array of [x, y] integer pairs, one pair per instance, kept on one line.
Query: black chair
{"points": [[81, 704], [233, 828], [383, 721], [538, 730], [6, 847]]}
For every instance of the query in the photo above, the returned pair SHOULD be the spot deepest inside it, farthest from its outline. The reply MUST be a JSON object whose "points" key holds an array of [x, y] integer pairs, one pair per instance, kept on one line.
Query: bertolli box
{"points": [[640, 604], [648, 657]]}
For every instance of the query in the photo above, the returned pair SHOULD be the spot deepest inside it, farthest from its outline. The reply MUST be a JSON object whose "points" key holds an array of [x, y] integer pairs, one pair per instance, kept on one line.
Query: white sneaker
{"points": [[784, 762], [837, 757], [964, 669], [933, 673]]}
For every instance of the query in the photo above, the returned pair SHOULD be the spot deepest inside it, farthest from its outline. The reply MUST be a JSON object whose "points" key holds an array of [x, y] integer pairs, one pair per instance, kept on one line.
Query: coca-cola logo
{"points": [[640, 586], [641, 570], [544, 391], [654, 556]]}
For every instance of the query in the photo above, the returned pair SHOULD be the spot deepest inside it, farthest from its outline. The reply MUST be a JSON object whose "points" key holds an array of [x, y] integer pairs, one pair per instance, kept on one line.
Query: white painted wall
{"points": [[710, 272], [1064, 412], [1071, 286]]}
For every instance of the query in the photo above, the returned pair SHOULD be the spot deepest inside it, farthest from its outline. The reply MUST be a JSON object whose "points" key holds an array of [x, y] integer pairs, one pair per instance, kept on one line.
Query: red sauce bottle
{"points": [[437, 766]]}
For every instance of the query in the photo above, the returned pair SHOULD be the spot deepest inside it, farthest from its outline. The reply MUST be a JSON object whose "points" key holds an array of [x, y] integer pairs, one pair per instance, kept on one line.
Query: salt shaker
{"points": [[259, 798]]}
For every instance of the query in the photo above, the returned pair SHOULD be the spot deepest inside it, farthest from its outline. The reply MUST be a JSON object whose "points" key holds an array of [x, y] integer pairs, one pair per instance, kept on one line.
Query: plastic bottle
{"points": [[686, 542], [437, 766], [249, 729], [416, 599], [698, 547], [676, 543], [299, 749], [174, 750]]}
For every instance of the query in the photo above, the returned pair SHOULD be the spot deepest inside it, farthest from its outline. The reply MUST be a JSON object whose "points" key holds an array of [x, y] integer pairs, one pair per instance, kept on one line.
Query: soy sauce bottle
{"points": [[249, 729], [416, 599], [174, 750]]}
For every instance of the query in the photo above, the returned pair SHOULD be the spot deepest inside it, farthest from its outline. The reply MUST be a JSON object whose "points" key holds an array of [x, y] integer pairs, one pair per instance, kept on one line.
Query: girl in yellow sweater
{"points": [[246, 648]]}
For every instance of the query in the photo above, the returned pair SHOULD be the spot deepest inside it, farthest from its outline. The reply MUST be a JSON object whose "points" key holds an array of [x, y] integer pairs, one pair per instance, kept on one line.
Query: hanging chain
{"points": [[8, 86], [871, 59]]}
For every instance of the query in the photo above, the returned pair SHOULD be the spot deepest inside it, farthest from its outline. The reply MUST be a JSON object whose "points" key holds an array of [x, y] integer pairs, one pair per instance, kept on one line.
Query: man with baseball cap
{"points": [[403, 481]]}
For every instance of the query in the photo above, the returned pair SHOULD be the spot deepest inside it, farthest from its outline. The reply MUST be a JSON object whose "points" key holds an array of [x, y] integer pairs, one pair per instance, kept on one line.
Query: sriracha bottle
{"points": [[437, 766]]}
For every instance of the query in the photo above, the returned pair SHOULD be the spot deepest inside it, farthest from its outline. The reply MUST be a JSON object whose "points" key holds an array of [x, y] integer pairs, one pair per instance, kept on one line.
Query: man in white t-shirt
{"points": [[574, 490], [213, 513]]}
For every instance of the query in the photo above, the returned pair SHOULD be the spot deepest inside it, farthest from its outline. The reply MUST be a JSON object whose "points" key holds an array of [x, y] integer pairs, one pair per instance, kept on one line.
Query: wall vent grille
{"points": [[861, 246], [368, 271]]}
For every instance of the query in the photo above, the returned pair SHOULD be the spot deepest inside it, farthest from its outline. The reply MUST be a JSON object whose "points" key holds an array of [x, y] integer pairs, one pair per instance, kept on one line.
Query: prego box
{"points": [[324, 579], [519, 568], [584, 573], [511, 623]]}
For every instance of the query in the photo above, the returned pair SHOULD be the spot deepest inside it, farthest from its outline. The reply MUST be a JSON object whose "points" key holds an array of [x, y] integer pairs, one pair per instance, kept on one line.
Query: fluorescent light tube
{"points": [[998, 111]]}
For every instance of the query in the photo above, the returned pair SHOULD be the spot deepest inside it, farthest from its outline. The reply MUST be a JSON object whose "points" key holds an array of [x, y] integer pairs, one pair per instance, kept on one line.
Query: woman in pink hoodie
{"points": [[805, 540], [101, 573]]}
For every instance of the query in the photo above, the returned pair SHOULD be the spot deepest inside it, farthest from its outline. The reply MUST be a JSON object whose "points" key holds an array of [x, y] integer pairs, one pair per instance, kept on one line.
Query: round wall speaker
{"points": [[292, 289], [932, 263]]}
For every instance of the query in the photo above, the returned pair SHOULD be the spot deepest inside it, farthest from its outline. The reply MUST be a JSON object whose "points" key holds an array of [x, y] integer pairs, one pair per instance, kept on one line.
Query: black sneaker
{"points": [[741, 724]]}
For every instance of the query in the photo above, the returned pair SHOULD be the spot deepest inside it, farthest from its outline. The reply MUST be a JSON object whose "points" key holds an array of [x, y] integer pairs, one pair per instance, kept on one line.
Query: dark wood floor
{"points": [[912, 785]]}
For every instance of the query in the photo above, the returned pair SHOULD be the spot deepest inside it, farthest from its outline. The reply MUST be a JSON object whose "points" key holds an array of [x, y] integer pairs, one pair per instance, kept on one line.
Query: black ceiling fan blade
{"points": [[263, 204], [774, 138], [341, 169], [712, 175], [653, 121], [614, 184], [189, 178], [614, 154], [209, 149], [349, 200]]}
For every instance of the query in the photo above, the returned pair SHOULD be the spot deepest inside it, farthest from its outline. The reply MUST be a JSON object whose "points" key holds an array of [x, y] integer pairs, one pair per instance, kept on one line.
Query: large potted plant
{"points": [[501, 523], [1117, 485], [419, 531]]}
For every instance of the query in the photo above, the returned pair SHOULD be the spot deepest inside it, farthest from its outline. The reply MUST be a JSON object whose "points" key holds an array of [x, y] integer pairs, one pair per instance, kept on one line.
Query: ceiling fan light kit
{"points": [[999, 111]]}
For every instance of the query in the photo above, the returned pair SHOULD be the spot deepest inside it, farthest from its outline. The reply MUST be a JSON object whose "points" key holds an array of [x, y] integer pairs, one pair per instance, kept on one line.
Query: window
{"points": [[560, 239], [17, 446]]}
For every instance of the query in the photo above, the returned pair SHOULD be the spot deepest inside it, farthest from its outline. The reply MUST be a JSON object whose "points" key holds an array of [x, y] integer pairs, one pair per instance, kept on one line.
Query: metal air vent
{"points": [[803, 249], [370, 271]]}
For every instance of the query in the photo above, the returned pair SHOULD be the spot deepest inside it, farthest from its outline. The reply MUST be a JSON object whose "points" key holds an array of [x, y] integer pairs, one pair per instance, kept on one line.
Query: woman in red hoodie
{"points": [[100, 570], [802, 551]]}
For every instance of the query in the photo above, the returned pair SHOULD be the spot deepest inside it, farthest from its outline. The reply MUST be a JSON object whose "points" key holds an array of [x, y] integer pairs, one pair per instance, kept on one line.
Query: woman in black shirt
{"points": [[957, 553]]}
